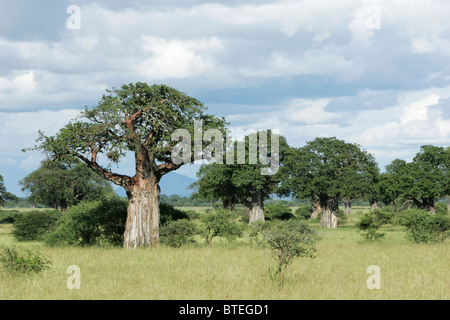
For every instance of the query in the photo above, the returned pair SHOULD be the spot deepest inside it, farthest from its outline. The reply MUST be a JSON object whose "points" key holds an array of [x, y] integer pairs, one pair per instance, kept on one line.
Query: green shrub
{"points": [[32, 225], [222, 223], [91, 223], [304, 212], [371, 222], [277, 211], [441, 208], [178, 232], [423, 227], [17, 263], [289, 239]]}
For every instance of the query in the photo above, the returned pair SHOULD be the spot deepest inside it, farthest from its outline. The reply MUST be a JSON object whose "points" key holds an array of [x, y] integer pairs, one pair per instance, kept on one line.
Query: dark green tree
{"points": [[5, 195], [62, 184], [427, 177], [393, 183], [329, 169], [245, 181], [141, 120]]}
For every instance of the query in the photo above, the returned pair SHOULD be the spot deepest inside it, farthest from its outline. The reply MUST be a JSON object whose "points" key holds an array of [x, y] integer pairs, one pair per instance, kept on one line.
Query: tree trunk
{"points": [[395, 208], [330, 211], [347, 206], [316, 208], [142, 225], [373, 204], [256, 212]]}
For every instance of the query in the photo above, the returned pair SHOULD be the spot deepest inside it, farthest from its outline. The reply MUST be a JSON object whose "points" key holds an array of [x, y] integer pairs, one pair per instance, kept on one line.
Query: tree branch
{"points": [[120, 180]]}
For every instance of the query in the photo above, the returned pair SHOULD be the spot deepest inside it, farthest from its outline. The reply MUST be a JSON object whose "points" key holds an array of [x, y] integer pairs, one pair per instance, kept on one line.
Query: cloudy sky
{"points": [[374, 73]]}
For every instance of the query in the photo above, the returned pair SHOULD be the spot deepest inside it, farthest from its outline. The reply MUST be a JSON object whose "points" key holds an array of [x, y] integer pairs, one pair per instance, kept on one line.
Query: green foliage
{"points": [[220, 222], [5, 195], [329, 167], [304, 212], [170, 213], [424, 180], [255, 232], [371, 222], [423, 227], [8, 216], [178, 232], [61, 184], [17, 263], [91, 223], [278, 211], [289, 239], [441, 208], [32, 225], [242, 183]]}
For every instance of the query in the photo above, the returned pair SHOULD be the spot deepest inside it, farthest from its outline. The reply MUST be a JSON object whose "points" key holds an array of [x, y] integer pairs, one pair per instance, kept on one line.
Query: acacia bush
{"points": [[32, 225], [371, 222], [289, 239]]}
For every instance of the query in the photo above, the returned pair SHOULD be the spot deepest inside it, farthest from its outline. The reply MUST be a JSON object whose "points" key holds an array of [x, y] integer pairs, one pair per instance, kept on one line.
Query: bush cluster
{"points": [[33, 225], [423, 227], [91, 223]]}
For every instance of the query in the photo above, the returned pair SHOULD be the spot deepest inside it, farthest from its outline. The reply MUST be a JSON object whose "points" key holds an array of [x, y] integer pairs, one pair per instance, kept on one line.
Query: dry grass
{"points": [[408, 271]]}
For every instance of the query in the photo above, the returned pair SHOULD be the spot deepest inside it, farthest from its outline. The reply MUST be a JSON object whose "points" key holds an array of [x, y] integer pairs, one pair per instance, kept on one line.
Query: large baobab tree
{"points": [[141, 120]]}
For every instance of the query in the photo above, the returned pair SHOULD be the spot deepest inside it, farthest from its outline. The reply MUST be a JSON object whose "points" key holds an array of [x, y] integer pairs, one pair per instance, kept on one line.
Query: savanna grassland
{"points": [[239, 270]]}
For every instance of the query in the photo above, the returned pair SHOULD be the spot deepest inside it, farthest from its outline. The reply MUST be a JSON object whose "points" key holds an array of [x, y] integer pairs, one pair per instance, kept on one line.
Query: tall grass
{"points": [[240, 271]]}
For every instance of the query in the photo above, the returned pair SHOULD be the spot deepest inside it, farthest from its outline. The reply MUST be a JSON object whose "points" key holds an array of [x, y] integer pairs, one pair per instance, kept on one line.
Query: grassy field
{"points": [[240, 270]]}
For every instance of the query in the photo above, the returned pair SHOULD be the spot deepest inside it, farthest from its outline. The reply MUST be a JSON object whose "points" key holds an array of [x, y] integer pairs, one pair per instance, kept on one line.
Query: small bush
{"points": [[222, 223], [289, 239], [177, 233], [32, 225], [18, 264], [370, 223], [255, 232]]}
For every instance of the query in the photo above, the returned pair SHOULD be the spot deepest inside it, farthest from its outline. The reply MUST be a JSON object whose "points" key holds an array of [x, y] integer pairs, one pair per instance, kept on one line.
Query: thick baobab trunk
{"points": [[330, 211], [256, 209], [316, 208], [347, 206], [142, 225]]}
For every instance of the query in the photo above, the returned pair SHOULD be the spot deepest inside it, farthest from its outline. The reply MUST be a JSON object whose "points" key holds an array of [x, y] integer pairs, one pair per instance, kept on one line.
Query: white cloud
{"points": [[175, 58], [417, 111], [24, 83]]}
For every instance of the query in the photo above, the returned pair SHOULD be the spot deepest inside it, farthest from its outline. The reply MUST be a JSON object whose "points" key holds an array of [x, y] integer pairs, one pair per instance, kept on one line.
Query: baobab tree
{"points": [[331, 170], [137, 119]]}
